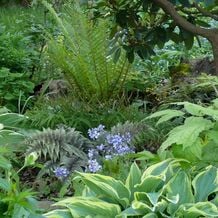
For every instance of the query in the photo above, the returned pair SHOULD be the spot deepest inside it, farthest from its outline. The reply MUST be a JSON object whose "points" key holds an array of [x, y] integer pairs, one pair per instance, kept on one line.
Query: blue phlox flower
{"points": [[92, 153], [94, 166], [114, 140], [94, 133], [100, 147], [61, 172]]}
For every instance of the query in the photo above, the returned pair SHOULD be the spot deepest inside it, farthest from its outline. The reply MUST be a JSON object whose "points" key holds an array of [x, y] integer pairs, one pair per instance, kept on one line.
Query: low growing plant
{"points": [[14, 200], [196, 139], [156, 192], [62, 150]]}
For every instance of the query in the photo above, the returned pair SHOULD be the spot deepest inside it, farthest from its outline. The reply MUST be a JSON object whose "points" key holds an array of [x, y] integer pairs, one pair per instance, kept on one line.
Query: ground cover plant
{"points": [[102, 114]]}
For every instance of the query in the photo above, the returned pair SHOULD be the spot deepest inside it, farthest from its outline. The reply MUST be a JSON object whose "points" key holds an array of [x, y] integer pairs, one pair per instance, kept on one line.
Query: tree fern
{"points": [[81, 51]]}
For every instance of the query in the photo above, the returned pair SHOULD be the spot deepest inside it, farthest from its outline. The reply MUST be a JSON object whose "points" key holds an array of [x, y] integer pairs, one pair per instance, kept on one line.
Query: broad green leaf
{"points": [[209, 152], [4, 163], [187, 133], [163, 169], [200, 209], [192, 153], [8, 137], [185, 3], [20, 211], [58, 214], [133, 179], [150, 215], [198, 110], [179, 185], [165, 115], [205, 183], [129, 212], [11, 119], [141, 207], [4, 185], [107, 187], [84, 206], [150, 184]]}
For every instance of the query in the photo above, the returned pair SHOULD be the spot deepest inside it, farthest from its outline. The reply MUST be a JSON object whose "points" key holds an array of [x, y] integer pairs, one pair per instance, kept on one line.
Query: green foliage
{"points": [[194, 140], [22, 88], [81, 52], [14, 201], [10, 131], [62, 146], [157, 192], [20, 55], [141, 26], [82, 116]]}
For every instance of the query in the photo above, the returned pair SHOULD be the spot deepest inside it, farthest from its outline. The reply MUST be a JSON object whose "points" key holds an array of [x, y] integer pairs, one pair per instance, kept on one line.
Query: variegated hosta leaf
{"points": [[205, 183], [106, 187], [89, 206]]}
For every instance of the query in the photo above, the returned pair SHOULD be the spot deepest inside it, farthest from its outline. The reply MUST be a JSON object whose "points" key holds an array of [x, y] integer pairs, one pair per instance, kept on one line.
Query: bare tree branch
{"points": [[205, 12], [168, 8]]}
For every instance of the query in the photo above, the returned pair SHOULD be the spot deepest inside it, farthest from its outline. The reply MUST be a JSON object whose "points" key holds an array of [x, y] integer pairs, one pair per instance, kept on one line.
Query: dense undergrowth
{"points": [[97, 136]]}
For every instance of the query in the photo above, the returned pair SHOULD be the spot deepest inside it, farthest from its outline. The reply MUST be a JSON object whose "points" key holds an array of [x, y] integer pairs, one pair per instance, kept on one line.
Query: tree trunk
{"points": [[210, 34], [214, 43]]}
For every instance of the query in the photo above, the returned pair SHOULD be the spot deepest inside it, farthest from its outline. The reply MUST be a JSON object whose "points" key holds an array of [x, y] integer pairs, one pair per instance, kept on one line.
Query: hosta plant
{"points": [[164, 189], [196, 138], [10, 129]]}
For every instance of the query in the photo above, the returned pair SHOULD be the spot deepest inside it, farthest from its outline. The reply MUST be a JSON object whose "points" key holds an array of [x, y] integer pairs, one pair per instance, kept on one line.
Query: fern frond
{"points": [[82, 54]]}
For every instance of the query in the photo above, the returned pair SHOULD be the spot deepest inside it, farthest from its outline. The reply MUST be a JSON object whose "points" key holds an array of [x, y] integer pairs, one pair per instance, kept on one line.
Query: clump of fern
{"points": [[81, 52], [63, 146]]}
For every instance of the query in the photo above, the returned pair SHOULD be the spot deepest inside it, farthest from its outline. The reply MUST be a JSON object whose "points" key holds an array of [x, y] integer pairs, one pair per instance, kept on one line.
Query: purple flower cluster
{"points": [[61, 172], [94, 133], [94, 166], [120, 143], [109, 146]]}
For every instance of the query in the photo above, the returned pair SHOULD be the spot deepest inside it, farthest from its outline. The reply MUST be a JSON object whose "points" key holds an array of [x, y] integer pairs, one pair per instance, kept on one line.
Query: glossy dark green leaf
{"points": [[185, 3], [130, 56]]}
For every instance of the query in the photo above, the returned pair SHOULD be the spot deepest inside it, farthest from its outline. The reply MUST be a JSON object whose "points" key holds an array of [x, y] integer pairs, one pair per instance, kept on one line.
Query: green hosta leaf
{"points": [[187, 133], [107, 187], [164, 169], [8, 137], [129, 212], [165, 115], [149, 184], [200, 209], [179, 185], [205, 183], [11, 119], [133, 179], [58, 214], [141, 207], [90, 206]]}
